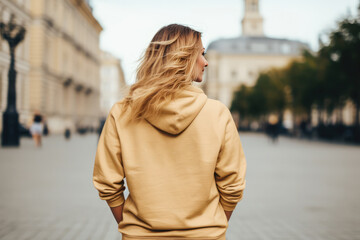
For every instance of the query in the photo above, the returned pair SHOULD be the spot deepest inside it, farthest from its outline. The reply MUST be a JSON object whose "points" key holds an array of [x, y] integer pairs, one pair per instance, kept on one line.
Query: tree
{"points": [[240, 101], [326, 79], [267, 96], [343, 52], [271, 87], [302, 79]]}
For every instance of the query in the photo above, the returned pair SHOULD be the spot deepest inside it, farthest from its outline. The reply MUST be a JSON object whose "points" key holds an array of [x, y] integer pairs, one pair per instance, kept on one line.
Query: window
{"points": [[1, 87], [259, 47], [23, 92], [46, 53], [20, 2], [233, 74], [285, 48], [254, 26], [253, 6]]}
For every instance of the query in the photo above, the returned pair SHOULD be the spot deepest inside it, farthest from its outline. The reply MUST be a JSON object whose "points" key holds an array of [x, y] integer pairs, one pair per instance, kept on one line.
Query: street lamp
{"points": [[13, 34]]}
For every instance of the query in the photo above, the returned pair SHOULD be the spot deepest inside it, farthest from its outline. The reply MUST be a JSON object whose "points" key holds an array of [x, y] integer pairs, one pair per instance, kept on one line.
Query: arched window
{"points": [[253, 6]]}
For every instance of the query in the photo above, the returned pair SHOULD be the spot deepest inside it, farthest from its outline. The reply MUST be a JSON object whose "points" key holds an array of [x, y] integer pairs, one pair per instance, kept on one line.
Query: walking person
{"points": [[36, 128], [67, 133], [45, 127], [179, 151], [272, 128]]}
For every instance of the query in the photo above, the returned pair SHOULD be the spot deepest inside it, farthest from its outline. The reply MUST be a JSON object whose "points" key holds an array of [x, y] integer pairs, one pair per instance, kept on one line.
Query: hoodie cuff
{"points": [[228, 206], [117, 201]]}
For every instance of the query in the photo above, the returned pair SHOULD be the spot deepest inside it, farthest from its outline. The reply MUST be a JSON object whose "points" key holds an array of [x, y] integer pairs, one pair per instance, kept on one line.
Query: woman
{"points": [[179, 151], [36, 128]]}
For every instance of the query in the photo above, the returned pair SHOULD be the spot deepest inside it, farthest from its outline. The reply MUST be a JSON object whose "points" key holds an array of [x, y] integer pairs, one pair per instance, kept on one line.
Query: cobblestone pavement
{"points": [[296, 189]]}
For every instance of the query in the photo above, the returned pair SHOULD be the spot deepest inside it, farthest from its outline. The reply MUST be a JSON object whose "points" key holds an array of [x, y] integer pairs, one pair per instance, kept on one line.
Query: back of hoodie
{"points": [[183, 168]]}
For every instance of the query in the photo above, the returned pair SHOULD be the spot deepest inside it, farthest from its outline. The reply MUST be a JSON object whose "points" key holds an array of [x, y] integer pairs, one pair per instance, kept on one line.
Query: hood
{"points": [[177, 115]]}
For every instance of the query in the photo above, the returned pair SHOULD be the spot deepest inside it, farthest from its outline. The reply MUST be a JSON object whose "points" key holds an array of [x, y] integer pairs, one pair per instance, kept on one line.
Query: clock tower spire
{"points": [[252, 23]]}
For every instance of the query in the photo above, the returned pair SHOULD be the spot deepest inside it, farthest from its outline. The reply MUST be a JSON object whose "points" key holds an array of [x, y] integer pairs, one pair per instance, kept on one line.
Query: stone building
{"points": [[58, 64], [20, 9], [113, 86], [64, 63], [239, 60]]}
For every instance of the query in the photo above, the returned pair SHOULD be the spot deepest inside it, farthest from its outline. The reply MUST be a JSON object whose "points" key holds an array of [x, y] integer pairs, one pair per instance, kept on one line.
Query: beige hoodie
{"points": [[183, 169]]}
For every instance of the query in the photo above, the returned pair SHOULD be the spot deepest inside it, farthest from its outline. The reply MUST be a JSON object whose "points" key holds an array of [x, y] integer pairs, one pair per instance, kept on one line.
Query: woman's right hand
{"points": [[118, 213], [228, 214]]}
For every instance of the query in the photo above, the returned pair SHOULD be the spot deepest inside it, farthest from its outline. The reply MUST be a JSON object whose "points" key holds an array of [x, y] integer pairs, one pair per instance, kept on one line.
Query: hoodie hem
{"points": [[132, 237]]}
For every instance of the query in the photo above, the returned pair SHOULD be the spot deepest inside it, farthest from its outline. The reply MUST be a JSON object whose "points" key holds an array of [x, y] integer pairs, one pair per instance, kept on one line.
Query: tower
{"points": [[252, 23]]}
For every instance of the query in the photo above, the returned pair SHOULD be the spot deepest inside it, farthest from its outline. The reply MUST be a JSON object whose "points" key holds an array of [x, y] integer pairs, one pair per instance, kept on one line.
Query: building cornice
{"points": [[16, 7], [84, 8], [50, 24]]}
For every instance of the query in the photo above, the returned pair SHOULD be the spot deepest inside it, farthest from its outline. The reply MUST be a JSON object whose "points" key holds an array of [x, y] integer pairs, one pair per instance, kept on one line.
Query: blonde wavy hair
{"points": [[166, 67]]}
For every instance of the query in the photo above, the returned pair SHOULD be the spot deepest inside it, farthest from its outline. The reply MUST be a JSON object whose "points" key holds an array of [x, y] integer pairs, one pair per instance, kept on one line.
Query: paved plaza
{"points": [[296, 189]]}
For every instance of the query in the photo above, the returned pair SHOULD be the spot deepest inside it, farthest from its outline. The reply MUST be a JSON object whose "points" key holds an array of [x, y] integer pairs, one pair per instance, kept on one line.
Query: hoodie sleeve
{"points": [[108, 176], [230, 168]]}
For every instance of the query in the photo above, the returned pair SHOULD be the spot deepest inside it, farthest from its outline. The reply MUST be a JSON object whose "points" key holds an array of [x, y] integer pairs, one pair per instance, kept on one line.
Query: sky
{"points": [[129, 25]]}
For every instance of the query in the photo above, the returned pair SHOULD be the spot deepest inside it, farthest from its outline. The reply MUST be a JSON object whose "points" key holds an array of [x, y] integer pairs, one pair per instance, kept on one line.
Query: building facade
{"points": [[58, 63], [237, 61], [65, 63], [113, 86], [20, 9]]}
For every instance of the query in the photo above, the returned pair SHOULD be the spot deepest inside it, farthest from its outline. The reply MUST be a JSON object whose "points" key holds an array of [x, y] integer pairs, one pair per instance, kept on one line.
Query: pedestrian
{"points": [[179, 151], [36, 128], [101, 126], [67, 133], [272, 128], [45, 128]]}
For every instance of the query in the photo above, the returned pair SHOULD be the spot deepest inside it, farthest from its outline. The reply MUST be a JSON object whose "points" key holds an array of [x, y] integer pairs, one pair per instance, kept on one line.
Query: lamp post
{"points": [[13, 34]]}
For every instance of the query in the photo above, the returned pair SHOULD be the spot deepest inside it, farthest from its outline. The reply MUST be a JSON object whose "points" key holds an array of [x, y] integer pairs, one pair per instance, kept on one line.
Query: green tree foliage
{"points": [[343, 54], [270, 86], [241, 102], [326, 79], [302, 77], [268, 95]]}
